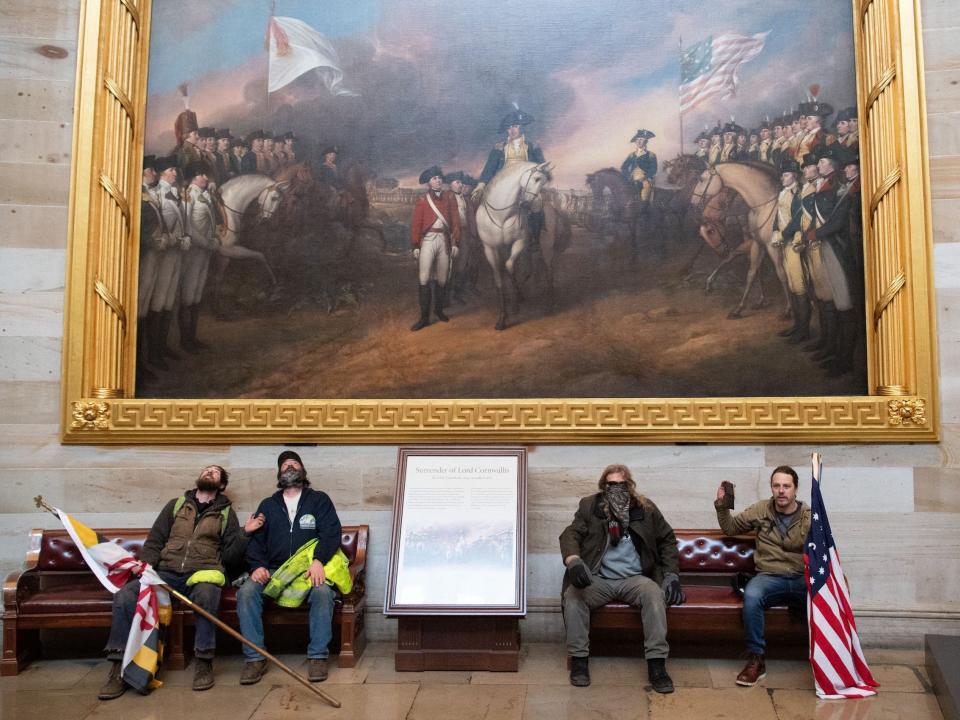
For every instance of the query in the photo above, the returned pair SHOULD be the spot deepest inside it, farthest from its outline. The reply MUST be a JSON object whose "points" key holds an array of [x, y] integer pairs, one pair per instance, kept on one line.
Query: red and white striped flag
{"points": [[710, 68], [839, 668]]}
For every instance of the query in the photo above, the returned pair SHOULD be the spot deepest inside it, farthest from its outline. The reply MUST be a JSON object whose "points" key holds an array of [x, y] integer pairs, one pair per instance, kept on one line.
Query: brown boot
{"points": [[115, 686], [202, 674], [317, 669], [253, 671], [755, 671]]}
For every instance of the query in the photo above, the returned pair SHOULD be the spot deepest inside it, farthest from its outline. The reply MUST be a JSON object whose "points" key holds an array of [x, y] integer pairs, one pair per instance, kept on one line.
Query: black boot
{"points": [[439, 299], [424, 320], [846, 343], [817, 344], [580, 671], [830, 331], [194, 318], [186, 337], [154, 351], [166, 319], [657, 673], [801, 332], [143, 372]]}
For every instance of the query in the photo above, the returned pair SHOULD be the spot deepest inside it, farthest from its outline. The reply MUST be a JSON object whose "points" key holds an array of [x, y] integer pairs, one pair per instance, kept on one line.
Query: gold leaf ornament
{"points": [[91, 415], [907, 411]]}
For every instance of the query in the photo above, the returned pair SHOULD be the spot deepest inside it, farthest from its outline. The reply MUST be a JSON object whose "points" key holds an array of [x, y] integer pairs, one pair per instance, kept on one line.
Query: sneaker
{"points": [[754, 672], [579, 671], [115, 686], [657, 674], [317, 669], [253, 671], [202, 674]]}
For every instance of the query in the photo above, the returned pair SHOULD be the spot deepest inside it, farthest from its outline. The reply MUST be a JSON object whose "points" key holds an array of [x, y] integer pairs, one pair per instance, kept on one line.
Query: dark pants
{"points": [[205, 595]]}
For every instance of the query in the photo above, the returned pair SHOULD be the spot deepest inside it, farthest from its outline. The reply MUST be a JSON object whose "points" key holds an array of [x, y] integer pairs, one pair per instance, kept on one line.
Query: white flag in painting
{"points": [[296, 48]]}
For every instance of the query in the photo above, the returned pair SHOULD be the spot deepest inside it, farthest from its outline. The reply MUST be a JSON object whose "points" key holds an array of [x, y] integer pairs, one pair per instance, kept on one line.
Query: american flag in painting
{"points": [[709, 68], [839, 668]]}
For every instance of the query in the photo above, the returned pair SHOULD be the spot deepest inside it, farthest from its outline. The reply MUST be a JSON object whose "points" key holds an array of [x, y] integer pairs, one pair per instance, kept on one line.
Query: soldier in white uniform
{"points": [[151, 244], [202, 222], [169, 265], [786, 225]]}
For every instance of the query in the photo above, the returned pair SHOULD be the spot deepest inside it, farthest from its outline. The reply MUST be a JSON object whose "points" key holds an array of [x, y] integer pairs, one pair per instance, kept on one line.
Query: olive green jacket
{"points": [[776, 553], [587, 537]]}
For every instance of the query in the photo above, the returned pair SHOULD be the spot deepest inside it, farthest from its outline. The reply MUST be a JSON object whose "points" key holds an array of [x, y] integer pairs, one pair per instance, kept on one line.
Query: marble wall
{"points": [[895, 509]]}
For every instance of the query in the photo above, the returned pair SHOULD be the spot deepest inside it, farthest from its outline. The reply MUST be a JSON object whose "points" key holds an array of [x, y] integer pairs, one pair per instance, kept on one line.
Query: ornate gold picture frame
{"points": [[98, 406]]}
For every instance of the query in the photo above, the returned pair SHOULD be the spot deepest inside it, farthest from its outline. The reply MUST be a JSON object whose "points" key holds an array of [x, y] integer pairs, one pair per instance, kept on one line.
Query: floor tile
{"points": [[551, 703], [893, 656], [52, 674], [897, 678], [358, 702], [718, 704], [223, 701], [44, 704], [804, 705], [471, 702], [380, 671]]}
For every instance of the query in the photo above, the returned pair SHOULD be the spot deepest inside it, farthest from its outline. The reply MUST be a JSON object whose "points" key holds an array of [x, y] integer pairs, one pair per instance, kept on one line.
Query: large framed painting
{"points": [[373, 222]]}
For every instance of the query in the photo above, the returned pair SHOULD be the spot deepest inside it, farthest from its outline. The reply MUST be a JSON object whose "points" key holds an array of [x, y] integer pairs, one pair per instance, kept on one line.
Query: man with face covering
{"points": [[619, 547], [288, 519], [192, 544]]}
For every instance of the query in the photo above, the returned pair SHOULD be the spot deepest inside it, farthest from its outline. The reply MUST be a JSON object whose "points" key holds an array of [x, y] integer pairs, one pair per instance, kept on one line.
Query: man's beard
{"points": [[291, 478], [207, 484]]}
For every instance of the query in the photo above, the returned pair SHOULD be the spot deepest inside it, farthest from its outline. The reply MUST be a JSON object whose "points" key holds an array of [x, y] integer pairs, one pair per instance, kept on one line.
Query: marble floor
{"points": [[67, 690]]}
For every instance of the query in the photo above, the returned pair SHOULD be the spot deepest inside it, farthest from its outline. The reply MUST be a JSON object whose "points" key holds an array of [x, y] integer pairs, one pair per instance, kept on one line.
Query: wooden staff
{"points": [[226, 628]]}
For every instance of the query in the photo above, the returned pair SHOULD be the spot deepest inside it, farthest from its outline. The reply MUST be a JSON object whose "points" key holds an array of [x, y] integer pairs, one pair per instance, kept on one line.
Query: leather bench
{"points": [[56, 590], [710, 622]]}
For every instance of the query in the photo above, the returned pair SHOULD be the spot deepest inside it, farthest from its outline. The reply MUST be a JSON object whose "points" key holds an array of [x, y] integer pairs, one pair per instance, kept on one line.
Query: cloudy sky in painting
{"points": [[435, 77]]}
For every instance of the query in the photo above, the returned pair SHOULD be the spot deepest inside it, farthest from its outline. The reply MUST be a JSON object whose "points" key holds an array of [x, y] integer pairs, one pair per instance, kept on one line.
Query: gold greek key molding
{"points": [[895, 286], [120, 96], [888, 75], [91, 415], [909, 411], [114, 192], [103, 292], [892, 178]]}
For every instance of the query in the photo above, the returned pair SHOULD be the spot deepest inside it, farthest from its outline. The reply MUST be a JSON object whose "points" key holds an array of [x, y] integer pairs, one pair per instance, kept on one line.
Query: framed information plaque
{"points": [[459, 532]]}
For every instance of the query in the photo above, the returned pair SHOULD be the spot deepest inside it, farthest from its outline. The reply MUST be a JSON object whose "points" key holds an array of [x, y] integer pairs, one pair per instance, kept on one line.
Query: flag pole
{"points": [[273, 10], [39, 502], [680, 107]]}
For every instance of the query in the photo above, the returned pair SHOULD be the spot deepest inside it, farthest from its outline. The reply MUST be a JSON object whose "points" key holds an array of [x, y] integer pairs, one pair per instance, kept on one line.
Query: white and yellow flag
{"points": [[296, 48], [114, 567]]}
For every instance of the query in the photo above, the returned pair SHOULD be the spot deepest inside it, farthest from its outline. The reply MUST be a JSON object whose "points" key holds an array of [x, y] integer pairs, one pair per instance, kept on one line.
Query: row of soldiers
{"points": [[227, 156], [178, 239], [818, 228], [793, 135]]}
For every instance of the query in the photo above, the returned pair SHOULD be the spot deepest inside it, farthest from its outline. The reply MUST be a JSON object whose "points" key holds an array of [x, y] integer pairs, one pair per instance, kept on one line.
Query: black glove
{"points": [[672, 592], [579, 574]]}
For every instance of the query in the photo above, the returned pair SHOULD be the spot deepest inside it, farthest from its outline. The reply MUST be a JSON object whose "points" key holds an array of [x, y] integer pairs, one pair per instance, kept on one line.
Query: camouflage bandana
{"points": [[615, 506]]}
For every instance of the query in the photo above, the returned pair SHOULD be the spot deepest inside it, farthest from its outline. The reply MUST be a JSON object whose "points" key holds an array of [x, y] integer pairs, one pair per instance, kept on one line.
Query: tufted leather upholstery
{"points": [[704, 551]]}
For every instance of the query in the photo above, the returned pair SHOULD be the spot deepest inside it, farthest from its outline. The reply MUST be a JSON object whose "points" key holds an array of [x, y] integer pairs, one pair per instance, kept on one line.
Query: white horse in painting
{"points": [[236, 195], [501, 221], [759, 187]]}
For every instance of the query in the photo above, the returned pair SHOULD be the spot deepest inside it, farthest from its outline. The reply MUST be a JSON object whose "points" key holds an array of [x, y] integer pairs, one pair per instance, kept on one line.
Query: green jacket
{"points": [[652, 535], [776, 553]]}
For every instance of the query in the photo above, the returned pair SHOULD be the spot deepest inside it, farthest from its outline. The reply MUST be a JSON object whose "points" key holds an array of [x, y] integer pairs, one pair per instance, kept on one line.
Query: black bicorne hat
{"points": [[645, 134], [517, 117], [430, 172], [191, 170]]}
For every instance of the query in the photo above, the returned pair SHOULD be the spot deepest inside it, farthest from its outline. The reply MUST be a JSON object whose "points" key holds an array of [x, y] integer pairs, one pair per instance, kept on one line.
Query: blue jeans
{"points": [[763, 591], [250, 611]]}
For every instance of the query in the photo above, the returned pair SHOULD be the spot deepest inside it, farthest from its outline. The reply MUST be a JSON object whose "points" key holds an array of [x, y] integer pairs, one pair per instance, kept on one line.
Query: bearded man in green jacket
{"points": [[619, 547], [781, 524]]}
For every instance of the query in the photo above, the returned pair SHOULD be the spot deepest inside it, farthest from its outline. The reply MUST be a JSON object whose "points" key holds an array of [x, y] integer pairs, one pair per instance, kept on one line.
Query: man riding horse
{"points": [[515, 148], [640, 168]]}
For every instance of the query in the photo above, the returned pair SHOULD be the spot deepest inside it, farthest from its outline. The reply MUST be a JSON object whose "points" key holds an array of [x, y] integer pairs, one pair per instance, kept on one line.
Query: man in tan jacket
{"points": [[781, 524]]}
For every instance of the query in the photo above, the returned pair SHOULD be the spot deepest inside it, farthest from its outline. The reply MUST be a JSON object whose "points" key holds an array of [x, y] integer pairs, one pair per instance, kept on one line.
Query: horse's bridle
{"points": [[260, 215], [703, 199], [516, 203]]}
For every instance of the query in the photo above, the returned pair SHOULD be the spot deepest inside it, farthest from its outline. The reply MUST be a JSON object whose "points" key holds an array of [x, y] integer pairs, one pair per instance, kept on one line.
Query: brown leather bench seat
{"points": [[56, 590], [710, 621]]}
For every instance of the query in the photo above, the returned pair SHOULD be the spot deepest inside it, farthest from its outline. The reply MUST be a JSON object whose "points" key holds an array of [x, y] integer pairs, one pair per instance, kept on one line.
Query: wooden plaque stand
{"points": [[445, 642]]}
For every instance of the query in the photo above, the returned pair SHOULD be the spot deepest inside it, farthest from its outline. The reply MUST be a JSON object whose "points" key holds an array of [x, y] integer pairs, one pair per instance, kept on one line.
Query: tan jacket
{"points": [[776, 553]]}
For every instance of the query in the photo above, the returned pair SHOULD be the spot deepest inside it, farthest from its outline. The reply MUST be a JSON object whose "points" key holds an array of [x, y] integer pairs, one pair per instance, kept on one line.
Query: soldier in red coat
{"points": [[434, 235]]}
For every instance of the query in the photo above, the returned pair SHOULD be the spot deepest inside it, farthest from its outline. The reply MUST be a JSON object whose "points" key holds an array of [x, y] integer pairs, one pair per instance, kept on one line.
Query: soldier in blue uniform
{"points": [[515, 148], [640, 167]]}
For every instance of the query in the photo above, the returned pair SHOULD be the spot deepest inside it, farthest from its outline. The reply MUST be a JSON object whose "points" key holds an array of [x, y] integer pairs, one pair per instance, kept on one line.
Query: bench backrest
{"points": [[709, 551], [58, 553]]}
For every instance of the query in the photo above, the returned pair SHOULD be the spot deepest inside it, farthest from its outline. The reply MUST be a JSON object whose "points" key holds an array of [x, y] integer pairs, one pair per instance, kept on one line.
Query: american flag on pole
{"points": [[114, 567], [710, 68], [839, 668]]}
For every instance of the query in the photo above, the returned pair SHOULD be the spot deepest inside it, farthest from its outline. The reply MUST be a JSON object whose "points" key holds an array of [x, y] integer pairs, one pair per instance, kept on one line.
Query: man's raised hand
{"points": [[254, 523]]}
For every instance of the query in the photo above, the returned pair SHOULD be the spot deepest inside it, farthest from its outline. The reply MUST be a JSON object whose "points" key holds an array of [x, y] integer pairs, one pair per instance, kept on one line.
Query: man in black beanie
{"points": [[289, 518], [619, 547]]}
